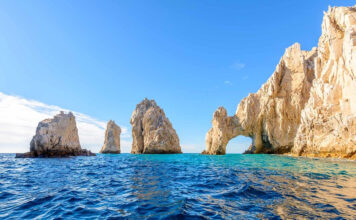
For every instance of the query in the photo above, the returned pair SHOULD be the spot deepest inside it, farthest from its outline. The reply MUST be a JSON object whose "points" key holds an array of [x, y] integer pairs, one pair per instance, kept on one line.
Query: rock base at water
{"points": [[53, 154]]}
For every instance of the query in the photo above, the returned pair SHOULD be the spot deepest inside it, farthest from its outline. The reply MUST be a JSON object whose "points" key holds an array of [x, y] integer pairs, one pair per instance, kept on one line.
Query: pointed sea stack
{"points": [[112, 139], [152, 132], [56, 137]]}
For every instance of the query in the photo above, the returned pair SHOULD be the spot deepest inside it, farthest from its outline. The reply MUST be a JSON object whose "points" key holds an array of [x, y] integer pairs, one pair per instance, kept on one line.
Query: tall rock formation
{"points": [[307, 107], [57, 137], [112, 139], [152, 132], [328, 121], [272, 115]]}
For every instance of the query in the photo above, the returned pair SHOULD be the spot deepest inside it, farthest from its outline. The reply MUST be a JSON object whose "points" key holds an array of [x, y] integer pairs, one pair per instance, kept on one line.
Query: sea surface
{"points": [[182, 186]]}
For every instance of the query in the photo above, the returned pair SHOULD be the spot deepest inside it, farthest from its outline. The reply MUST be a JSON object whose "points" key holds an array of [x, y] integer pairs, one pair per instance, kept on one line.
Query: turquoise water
{"points": [[183, 186]]}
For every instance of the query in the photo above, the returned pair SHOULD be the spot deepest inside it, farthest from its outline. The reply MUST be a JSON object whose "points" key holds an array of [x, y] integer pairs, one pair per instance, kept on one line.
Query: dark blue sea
{"points": [[183, 186]]}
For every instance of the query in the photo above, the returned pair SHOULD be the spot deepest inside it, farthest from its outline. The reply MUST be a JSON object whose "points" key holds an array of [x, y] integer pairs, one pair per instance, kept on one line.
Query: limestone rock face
{"points": [[152, 132], [271, 116], [328, 121], [224, 128], [57, 137], [112, 139], [308, 105]]}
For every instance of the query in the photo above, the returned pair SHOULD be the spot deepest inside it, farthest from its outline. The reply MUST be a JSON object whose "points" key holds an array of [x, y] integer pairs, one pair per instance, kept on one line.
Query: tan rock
{"points": [[328, 121], [152, 132], [271, 116], [112, 139], [57, 137], [308, 105]]}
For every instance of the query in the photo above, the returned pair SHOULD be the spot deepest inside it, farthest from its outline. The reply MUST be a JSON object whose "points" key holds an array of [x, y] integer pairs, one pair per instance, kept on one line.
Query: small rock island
{"points": [[112, 139], [152, 132], [56, 137]]}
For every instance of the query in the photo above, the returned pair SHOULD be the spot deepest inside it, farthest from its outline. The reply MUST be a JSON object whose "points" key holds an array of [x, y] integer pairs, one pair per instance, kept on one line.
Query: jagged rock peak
{"points": [[112, 139], [152, 132], [56, 137]]}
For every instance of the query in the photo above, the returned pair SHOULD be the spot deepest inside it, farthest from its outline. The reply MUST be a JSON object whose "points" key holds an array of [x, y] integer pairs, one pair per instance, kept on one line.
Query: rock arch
{"points": [[307, 107], [271, 116]]}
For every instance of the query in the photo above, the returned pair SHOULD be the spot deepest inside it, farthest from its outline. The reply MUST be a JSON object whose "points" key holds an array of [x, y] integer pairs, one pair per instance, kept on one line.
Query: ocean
{"points": [[181, 186]]}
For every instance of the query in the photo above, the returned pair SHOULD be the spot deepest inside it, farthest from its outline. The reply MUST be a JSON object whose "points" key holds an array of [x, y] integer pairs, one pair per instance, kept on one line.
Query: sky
{"points": [[101, 58]]}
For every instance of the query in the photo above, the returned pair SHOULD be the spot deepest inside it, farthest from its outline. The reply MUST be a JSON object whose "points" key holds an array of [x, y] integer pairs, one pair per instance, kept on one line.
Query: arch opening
{"points": [[238, 145]]}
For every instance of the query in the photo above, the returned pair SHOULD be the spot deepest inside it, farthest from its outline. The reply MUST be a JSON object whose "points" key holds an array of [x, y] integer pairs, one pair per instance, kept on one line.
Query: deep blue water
{"points": [[190, 186]]}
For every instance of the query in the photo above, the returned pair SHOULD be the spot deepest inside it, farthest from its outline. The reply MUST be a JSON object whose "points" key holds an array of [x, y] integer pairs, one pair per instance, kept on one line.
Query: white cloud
{"points": [[238, 65], [19, 118]]}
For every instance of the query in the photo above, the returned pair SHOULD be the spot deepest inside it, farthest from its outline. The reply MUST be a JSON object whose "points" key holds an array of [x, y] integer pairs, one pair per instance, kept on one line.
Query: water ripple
{"points": [[186, 186]]}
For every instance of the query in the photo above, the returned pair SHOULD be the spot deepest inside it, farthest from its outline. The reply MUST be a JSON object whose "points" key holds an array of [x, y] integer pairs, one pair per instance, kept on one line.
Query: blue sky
{"points": [[101, 58]]}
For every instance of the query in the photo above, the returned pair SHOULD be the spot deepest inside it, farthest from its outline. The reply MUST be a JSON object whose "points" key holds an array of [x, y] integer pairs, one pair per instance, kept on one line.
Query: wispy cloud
{"points": [[227, 82], [19, 118], [237, 65]]}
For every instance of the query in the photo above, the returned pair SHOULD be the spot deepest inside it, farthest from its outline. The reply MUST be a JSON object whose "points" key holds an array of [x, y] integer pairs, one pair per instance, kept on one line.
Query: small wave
{"points": [[187, 186], [5, 195], [35, 202]]}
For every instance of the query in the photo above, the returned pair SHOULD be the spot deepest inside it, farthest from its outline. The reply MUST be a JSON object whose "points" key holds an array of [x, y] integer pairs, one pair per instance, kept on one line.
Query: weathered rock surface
{"points": [[308, 105], [112, 139], [57, 137], [328, 121], [272, 115], [152, 132]]}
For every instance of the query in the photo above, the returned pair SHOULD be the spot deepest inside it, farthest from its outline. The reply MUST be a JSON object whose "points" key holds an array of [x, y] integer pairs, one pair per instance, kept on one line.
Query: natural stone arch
{"points": [[238, 145], [226, 128], [271, 116], [308, 106]]}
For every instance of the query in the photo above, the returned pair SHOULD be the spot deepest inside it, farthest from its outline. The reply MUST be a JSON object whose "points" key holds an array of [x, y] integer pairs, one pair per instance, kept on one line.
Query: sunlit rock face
{"points": [[328, 121], [308, 105], [56, 137], [224, 128], [152, 132], [112, 139], [272, 115]]}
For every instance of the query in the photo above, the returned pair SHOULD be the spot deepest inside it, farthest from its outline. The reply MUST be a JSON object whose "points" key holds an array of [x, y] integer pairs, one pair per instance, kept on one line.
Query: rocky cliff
{"points": [[56, 137], [328, 121], [112, 139], [152, 132], [308, 105]]}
